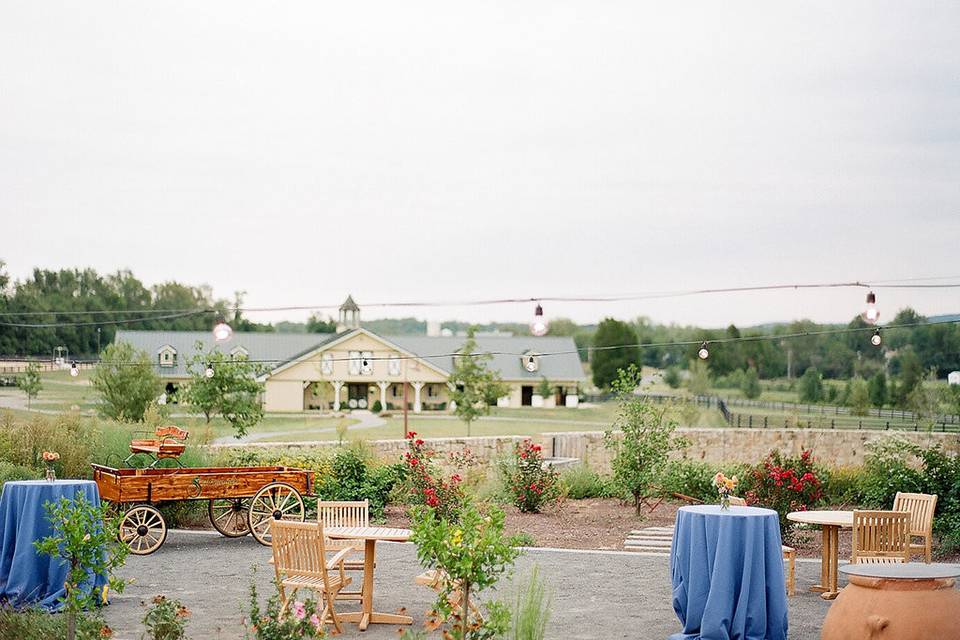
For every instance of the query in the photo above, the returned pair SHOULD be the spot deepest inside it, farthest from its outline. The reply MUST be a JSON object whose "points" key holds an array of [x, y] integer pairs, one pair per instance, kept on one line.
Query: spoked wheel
{"points": [[275, 501], [143, 529], [229, 516]]}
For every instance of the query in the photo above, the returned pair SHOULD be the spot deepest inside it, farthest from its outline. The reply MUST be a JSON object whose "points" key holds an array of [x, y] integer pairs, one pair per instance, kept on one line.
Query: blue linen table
{"points": [[727, 573], [26, 578]]}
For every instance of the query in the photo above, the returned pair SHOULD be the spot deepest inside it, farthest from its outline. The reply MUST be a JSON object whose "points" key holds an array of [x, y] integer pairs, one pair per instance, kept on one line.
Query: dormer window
{"points": [[167, 356], [239, 353], [530, 362], [326, 364]]}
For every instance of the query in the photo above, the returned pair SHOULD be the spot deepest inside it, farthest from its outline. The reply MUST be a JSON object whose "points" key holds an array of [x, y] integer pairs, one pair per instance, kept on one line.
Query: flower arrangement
{"points": [[531, 483], [49, 458], [425, 483], [725, 487]]}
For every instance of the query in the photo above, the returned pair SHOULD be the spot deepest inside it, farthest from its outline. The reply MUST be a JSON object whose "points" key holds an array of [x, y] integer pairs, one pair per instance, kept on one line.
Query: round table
{"points": [[370, 536], [910, 601], [727, 573], [27, 578], [830, 522]]}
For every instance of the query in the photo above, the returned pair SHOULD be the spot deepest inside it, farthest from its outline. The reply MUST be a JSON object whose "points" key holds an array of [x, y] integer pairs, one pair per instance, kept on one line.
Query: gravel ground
{"points": [[595, 594]]}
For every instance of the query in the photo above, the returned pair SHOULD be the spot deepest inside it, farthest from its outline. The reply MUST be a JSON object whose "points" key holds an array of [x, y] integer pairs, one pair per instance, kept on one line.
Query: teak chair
{"points": [[345, 514], [789, 553], [921, 507], [299, 560], [168, 442], [880, 537]]}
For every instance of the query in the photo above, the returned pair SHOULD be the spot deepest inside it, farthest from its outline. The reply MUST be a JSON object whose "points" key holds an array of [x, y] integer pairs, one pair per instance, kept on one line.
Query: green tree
{"points": [[126, 382], [317, 324], [615, 348], [811, 385], [698, 382], [910, 375], [750, 385], [672, 377], [476, 386], [29, 382], [878, 389], [544, 390], [648, 437], [858, 397], [232, 392]]}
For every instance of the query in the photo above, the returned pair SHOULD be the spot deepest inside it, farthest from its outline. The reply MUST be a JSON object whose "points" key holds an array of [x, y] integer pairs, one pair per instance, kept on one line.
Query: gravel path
{"points": [[595, 594]]}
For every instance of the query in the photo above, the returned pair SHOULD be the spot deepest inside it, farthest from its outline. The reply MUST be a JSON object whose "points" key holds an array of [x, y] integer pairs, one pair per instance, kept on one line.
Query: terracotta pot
{"points": [[894, 609]]}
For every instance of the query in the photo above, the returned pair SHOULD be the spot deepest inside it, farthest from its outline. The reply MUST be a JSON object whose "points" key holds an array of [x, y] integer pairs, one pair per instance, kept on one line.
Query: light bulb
{"points": [[222, 331], [538, 326], [209, 372], [74, 369], [875, 339], [871, 315], [703, 353], [531, 364]]}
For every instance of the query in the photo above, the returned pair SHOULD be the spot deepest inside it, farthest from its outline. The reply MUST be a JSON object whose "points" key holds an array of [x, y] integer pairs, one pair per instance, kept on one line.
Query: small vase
{"points": [[51, 475], [724, 502]]}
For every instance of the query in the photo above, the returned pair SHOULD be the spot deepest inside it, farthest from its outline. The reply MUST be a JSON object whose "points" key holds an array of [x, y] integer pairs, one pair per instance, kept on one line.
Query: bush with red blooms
{"points": [[530, 482], [425, 483], [784, 485]]}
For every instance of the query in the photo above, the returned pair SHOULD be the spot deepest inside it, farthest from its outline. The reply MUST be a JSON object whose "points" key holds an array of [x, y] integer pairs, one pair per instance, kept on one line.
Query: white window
{"points": [[393, 366], [326, 364], [167, 356], [354, 368], [366, 363]]}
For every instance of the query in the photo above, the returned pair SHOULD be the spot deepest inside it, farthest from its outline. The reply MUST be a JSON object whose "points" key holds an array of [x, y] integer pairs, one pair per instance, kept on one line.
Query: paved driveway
{"points": [[595, 595]]}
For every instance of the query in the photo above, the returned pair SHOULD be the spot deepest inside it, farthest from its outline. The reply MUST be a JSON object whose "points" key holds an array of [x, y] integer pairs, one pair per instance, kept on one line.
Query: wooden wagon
{"points": [[240, 500]]}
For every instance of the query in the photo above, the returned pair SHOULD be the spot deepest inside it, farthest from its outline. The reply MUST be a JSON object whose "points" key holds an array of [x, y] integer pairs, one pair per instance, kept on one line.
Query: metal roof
{"points": [[280, 348]]}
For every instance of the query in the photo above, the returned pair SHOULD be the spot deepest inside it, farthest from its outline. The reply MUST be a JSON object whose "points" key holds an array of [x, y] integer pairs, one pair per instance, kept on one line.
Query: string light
{"points": [[703, 353], [530, 364], [871, 315], [538, 326], [875, 339], [209, 372], [221, 330], [74, 369]]}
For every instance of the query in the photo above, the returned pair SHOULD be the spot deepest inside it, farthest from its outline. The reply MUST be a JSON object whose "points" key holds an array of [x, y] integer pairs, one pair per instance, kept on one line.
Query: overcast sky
{"points": [[450, 150]]}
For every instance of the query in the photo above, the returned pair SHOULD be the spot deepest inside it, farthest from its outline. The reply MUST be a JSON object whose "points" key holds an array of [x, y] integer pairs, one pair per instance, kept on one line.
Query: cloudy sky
{"points": [[444, 150]]}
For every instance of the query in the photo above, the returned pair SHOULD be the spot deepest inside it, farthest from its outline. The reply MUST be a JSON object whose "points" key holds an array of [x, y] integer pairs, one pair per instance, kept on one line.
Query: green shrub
{"points": [[785, 484], [22, 440], [377, 406], [10, 471], [531, 483], [843, 486], [888, 469], [166, 620], [36, 624], [581, 482], [695, 478], [531, 612]]}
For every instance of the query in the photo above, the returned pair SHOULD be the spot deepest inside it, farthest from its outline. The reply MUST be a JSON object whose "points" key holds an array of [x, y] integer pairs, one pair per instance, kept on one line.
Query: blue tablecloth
{"points": [[26, 578], [727, 570]]}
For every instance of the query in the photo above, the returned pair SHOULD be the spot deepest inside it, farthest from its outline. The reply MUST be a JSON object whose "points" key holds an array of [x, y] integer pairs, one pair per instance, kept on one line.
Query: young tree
{"points": [[126, 382], [672, 377], [699, 380], [607, 361], [648, 438], [544, 390], [232, 391], [29, 382], [858, 397], [878, 389], [811, 385], [476, 386], [750, 385]]}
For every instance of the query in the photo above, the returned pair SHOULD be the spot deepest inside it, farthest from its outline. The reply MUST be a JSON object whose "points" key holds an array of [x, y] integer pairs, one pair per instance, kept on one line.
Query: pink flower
{"points": [[315, 621], [299, 610]]}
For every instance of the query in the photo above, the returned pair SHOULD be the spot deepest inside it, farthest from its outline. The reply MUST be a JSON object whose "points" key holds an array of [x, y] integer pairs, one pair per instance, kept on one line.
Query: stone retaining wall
{"points": [[834, 447]]}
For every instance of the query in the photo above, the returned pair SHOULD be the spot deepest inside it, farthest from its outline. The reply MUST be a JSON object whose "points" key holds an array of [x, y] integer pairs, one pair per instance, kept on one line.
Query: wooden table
{"points": [[369, 535], [830, 522]]}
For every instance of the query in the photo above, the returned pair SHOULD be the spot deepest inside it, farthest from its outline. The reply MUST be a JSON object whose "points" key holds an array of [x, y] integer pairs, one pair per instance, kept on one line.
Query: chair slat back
{"points": [[736, 501], [344, 514], [298, 548], [881, 536], [921, 507], [171, 431]]}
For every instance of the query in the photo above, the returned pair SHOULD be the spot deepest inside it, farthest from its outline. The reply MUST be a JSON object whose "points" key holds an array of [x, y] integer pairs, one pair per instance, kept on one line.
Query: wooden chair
{"points": [[299, 560], [921, 507], [345, 514], [789, 553], [168, 442], [880, 537]]}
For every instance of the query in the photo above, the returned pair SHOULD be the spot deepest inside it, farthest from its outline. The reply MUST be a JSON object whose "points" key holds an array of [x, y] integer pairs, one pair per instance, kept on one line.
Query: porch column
{"points": [[383, 394], [337, 385], [416, 396]]}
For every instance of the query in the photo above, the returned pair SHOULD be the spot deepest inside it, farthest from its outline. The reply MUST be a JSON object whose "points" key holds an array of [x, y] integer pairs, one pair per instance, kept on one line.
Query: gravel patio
{"points": [[595, 594]]}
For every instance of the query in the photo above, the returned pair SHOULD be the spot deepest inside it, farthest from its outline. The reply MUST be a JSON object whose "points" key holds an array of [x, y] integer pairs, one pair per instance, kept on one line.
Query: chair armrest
{"points": [[339, 558]]}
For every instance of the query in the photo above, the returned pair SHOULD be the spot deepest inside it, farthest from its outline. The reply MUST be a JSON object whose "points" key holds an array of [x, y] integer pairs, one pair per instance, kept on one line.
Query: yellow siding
{"points": [[283, 395]]}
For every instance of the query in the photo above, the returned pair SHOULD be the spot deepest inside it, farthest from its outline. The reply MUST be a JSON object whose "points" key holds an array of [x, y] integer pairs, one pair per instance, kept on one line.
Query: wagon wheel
{"points": [[275, 501], [143, 530], [229, 516]]}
